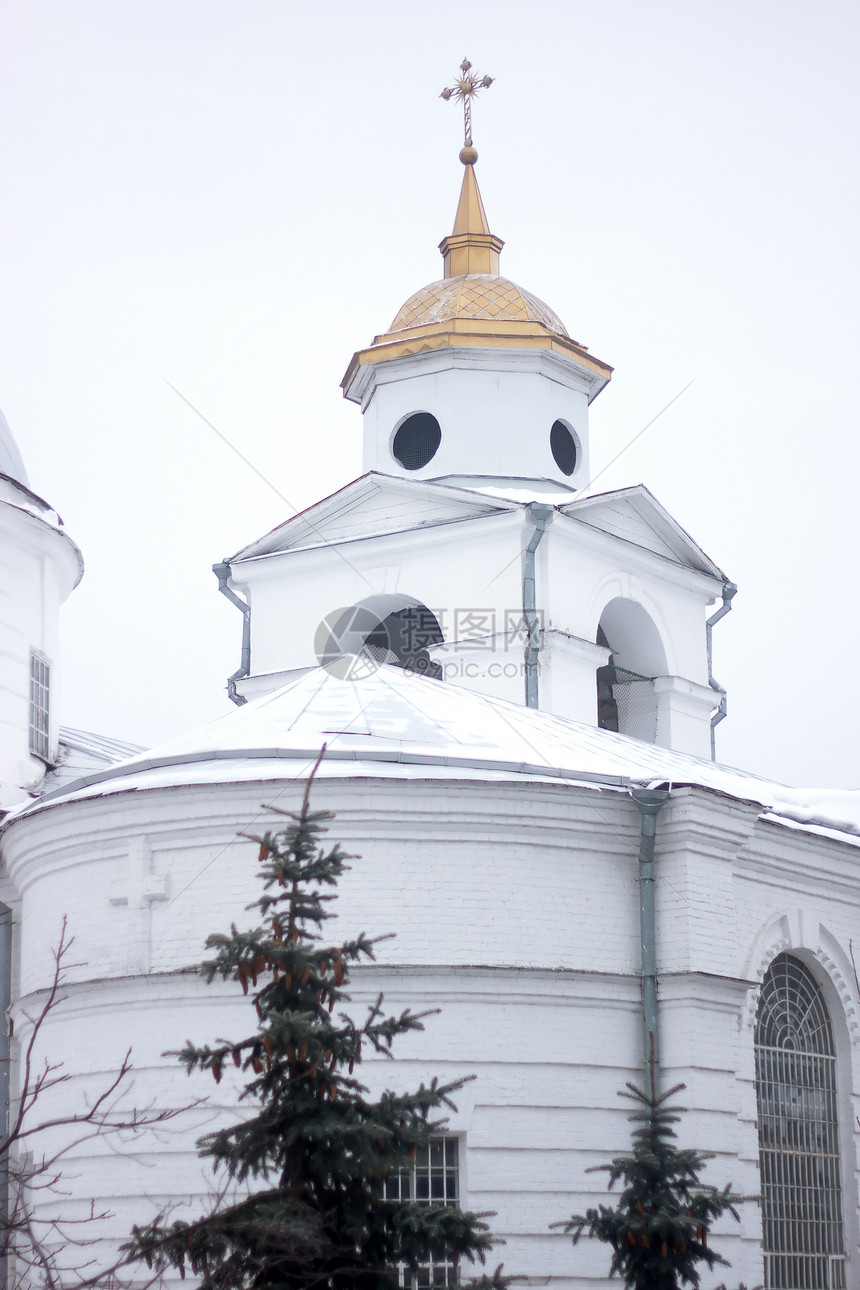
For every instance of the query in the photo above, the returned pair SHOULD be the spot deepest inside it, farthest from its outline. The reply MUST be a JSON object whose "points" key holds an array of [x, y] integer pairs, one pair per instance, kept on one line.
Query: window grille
{"points": [[626, 702], [40, 693], [432, 1179], [402, 639], [798, 1132], [417, 441]]}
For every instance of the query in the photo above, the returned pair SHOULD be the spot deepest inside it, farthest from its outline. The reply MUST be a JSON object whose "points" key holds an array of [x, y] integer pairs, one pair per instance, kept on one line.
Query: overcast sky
{"points": [[235, 195]]}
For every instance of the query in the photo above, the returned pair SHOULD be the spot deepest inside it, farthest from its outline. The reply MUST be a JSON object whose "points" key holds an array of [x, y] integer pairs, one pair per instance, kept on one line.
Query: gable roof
{"points": [[635, 515], [372, 505]]}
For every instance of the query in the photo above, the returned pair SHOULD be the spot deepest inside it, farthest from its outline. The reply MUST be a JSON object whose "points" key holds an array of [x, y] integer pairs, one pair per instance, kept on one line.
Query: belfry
{"points": [[509, 577]]}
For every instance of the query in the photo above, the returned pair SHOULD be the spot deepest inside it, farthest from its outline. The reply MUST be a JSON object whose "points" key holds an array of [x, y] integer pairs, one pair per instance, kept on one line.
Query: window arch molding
{"points": [[828, 961], [633, 636], [804, 1123], [624, 587], [627, 699]]}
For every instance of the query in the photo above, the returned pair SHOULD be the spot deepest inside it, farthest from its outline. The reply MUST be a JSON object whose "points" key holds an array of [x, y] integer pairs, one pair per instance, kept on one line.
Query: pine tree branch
{"points": [[313, 1155]]}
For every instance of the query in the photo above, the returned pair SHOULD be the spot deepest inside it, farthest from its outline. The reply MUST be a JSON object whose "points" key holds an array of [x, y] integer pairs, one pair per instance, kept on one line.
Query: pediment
{"points": [[373, 505], [635, 515]]}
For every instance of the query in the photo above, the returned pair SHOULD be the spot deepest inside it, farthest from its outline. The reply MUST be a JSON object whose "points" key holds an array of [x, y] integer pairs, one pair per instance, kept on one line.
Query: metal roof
{"points": [[412, 726]]}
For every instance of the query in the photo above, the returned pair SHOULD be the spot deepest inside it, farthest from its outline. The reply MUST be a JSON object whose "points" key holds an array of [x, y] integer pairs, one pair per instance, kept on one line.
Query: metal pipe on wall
{"points": [[729, 593], [541, 514], [649, 801], [222, 573]]}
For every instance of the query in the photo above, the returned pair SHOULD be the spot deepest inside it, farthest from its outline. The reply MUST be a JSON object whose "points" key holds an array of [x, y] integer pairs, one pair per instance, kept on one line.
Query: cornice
{"points": [[494, 344], [44, 535], [259, 566], [638, 558]]}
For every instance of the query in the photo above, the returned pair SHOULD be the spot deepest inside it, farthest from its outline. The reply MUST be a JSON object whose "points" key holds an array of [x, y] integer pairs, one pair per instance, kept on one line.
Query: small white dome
{"points": [[11, 463]]}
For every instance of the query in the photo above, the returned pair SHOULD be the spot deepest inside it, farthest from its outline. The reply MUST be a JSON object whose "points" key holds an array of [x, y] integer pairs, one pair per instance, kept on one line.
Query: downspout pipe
{"points": [[541, 515], [222, 573], [649, 802], [729, 593], [5, 1061]]}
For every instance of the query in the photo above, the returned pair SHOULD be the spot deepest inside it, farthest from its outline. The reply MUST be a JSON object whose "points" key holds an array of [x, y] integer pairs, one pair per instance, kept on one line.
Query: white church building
{"points": [[513, 677]]}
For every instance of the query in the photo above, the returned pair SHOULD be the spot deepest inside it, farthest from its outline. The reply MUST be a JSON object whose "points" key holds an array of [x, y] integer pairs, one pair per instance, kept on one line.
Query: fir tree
{"points": [[659, 1228], [311, 1161]]}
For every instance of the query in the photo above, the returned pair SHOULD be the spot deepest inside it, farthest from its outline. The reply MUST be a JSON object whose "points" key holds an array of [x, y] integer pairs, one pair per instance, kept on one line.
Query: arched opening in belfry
{"points": [[386, 628], [626, 698]]}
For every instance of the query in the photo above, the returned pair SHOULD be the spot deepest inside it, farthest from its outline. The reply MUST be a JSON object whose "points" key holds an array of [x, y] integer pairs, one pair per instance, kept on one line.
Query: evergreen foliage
{"points": [[311, 1161], [659, 1228]]}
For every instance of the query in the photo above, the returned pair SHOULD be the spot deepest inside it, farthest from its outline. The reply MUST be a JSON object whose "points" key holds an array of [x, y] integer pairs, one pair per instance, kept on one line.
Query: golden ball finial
{"points": [[468, 155]]}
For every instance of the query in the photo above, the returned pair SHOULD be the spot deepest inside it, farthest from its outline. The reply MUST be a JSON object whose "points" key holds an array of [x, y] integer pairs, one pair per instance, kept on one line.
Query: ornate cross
{"points": [[466, 88]]}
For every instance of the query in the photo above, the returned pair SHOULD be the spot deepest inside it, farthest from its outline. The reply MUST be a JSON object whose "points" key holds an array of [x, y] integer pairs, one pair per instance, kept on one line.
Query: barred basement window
{"points": [[40, 693], [804, 1245], [433, 1179]]}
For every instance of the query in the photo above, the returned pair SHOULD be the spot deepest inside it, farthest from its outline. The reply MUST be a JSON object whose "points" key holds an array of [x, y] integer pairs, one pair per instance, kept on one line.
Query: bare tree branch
{"points": [[46, 1250]]}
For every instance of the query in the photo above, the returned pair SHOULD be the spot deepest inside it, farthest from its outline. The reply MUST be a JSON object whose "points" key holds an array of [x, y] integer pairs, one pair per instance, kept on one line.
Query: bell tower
{"points": [[470, 551], [476, 381]]}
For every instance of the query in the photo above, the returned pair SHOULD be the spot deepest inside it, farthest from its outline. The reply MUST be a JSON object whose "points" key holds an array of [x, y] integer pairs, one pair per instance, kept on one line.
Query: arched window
{"points": [[798, 1132], [626, 699], [384, 628]]}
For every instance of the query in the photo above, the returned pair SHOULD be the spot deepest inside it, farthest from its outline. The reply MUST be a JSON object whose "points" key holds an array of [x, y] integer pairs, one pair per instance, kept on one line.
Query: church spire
{"points": [[471, 247]]}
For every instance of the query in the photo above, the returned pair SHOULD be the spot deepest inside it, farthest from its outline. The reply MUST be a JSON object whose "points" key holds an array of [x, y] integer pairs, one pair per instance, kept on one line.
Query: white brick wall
{"points": [[516, 911]]}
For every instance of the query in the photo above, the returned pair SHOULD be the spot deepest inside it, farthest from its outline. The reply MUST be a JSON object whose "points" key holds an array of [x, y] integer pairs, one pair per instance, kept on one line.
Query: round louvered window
{"points": [[563, 446], [417, 441]]}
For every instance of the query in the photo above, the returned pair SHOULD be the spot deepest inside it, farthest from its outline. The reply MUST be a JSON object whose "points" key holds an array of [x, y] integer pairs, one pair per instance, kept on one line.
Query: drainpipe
{"points": [[222, 573], [5, 1000], [729, 592], [542, 515], [649, 802]]}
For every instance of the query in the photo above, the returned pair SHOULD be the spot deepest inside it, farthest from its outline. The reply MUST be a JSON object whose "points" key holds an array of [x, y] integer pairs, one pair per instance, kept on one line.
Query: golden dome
{"points": [[475, 295], [471, 307]]}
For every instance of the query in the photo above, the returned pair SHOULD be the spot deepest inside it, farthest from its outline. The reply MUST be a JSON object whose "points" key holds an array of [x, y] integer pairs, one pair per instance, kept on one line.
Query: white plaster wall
{"points": [[734, 891], [291, 594], [494, 420], [38, 568], [585, 568], [579, 569], [144, 877], [567, 681], [516, 910]]}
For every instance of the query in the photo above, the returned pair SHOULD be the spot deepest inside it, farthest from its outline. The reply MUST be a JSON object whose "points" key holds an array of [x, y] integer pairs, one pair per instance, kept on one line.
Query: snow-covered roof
{"points": [[376, 504], [635, 514], [84, 753], [98, 747], [391, 723], [17, 495], [372, 504]]}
